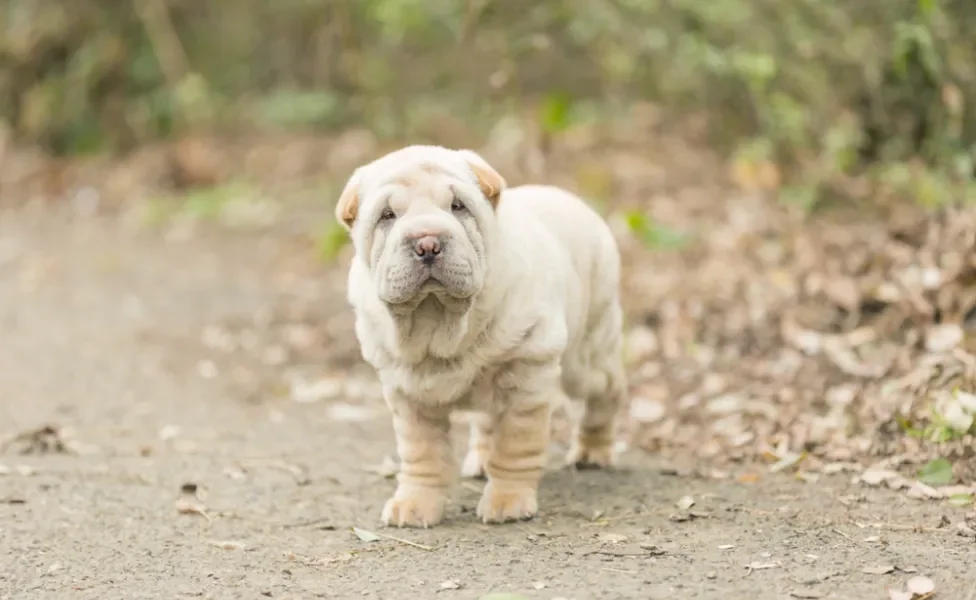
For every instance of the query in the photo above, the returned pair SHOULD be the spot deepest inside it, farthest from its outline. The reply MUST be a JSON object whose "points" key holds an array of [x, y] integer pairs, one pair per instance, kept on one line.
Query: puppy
{"points": [[470, 296]]}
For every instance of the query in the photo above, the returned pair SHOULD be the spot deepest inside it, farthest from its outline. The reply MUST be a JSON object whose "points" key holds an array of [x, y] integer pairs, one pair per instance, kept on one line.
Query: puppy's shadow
{"points": [[571, 490], [568, 491]]}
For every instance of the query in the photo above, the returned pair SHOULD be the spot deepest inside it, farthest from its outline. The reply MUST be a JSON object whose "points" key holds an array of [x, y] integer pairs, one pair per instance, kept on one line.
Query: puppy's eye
{"points": [[457, 205], [387, 214]]}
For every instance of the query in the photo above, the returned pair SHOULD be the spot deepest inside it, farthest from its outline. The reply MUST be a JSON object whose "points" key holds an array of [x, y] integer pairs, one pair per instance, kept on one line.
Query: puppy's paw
{"points": [[591, 457], [414, 506], [473, 466], [507, 504]]}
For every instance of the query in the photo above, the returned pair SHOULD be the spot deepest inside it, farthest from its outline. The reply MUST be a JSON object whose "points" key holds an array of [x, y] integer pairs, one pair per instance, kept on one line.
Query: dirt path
{"points": [[99, 334]]}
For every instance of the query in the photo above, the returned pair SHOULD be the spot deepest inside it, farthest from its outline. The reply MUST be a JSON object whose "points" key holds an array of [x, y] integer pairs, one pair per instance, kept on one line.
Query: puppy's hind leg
{"points": [[479, 446], [593, 444], [605, 385]]}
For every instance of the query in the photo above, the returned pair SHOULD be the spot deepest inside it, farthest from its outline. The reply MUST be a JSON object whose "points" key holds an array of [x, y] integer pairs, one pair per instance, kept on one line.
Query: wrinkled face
{"points": [[423, 227]]}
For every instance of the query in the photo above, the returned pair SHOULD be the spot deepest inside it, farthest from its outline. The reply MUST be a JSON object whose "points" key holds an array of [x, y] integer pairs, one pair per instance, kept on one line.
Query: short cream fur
{"points": [[518, 312]]}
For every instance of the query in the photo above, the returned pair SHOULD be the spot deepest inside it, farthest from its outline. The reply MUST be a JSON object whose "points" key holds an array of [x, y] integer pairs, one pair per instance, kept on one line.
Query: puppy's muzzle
{"points": [[428, 248]]}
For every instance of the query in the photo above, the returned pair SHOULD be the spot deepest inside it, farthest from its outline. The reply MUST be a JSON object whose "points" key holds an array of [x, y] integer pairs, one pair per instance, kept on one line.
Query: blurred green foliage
{"points": [[331, 241], [654, 235], [826, 85]]}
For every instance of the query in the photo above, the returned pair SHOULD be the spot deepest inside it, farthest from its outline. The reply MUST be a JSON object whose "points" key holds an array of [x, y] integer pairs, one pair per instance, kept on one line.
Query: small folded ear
{"points": [[347, 207], [490, 181]]}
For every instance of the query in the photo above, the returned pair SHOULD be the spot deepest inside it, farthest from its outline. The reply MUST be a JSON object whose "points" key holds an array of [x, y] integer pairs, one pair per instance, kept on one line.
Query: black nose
{"points": [[427, 248]]}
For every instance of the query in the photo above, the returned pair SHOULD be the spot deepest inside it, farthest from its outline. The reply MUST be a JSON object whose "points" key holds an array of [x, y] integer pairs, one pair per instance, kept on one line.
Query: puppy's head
{"points": [[422, 221]]}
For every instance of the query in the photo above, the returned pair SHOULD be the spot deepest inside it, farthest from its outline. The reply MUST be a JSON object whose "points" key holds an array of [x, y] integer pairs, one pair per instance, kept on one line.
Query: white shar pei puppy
{"points": [[499, 302]]}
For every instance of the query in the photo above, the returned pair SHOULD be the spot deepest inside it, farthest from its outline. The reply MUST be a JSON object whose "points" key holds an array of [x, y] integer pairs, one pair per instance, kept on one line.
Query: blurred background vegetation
{"points": [[825, 91]]}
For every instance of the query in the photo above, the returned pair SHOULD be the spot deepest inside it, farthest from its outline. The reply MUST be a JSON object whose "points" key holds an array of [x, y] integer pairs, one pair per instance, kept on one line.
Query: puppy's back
{"points": [[580, 230]]}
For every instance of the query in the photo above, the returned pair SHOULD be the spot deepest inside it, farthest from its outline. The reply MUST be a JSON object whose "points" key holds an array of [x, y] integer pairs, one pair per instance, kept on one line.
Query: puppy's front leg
{"points": [[426, 466], [519, 449]]}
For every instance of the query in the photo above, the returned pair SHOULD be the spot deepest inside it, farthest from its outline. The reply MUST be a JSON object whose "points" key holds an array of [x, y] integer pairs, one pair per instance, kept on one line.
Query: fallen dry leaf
{"points": [[191, 506], [690, 515], [305, 392], [788, 461], [920, 490], [748, 478], [299, 472], [646, 410], [227, 544], [364, 535], [43, 440], [960, 500], [966, 400], [369, 536], [652, 549], [963, 529], [920, 586], [807, 477], [877, 476], [350, 413], [878, 569], [940, 338], [235, 472], [170, 432]]}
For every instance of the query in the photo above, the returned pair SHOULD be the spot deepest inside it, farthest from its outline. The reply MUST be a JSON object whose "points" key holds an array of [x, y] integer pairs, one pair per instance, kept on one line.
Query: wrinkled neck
{"points": [[431, 330]]}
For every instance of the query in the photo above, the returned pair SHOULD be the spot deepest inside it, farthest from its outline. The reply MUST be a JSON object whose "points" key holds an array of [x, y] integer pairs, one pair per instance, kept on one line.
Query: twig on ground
{"points": [[309, 523], [403, 541], [648, 513], [903, 527], [617, 554]]}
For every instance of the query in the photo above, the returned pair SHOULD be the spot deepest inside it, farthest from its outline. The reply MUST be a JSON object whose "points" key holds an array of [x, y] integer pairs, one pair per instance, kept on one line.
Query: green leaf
{"points": [[654, 235], [636, 221], [940, 433], [805, 197], [936, 472], [907, 426], [332, 240], [297, 109], [556, 112], [366, 536], [757, 68], [662, 237], [960, 500]]}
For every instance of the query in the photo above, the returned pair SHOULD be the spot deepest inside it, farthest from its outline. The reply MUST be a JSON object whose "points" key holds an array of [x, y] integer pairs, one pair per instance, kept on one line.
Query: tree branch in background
{"points": [[169, 52], [166, 44], [471, 15]]}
